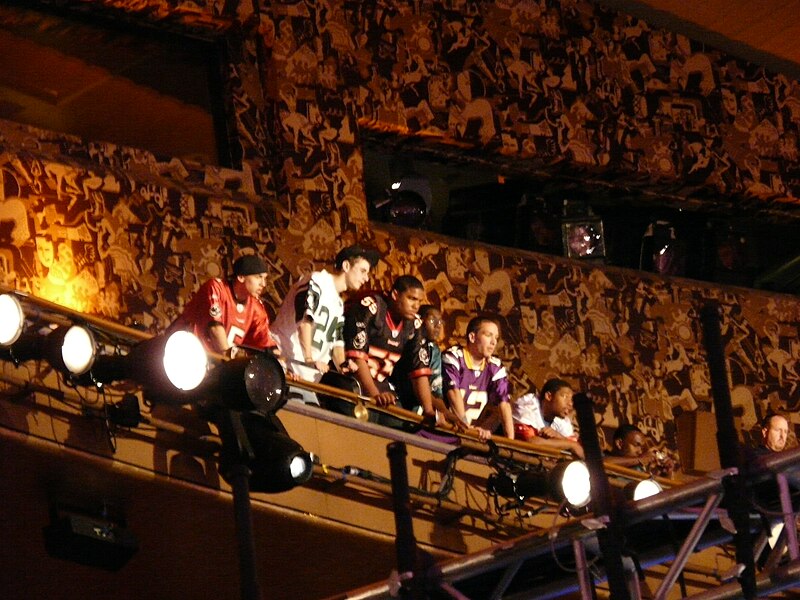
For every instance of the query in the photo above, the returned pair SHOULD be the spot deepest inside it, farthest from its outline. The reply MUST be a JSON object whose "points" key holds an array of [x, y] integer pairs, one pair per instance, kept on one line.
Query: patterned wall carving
{"points": [[551, 80], [570, 83], [120, 233]]}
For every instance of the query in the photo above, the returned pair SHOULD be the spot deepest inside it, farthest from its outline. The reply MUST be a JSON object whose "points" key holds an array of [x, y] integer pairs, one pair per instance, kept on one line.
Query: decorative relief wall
{"points": [[119, 233], [571, 84]]}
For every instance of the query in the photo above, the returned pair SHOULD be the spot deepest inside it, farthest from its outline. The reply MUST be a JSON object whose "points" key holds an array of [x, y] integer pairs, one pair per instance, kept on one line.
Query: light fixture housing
{"points": [[407, 200], [567, 482], [277, 463], [169, 367], [71, 350], [638, 490], [252, 383], [584, 238], [89, 539], [570, 482]]}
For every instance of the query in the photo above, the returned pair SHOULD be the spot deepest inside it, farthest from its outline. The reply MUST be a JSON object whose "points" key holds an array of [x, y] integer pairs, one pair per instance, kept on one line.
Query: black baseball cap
{"points": [[249, 264], [350, 253]]}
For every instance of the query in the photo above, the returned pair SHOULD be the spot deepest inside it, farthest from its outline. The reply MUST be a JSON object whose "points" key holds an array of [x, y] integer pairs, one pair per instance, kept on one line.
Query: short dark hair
{"points": [[406, 282], [475, 323], [353, 253], [425, 310], [249, 264], [621, 432], [553, 385]]}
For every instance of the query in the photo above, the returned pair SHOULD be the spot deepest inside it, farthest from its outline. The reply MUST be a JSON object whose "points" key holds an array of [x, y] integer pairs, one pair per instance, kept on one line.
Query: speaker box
{"points": [[90, 541]]}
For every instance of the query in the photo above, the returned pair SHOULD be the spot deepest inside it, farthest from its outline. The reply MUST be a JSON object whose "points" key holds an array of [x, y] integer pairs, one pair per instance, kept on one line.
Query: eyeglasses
{"points": [[434, 321]]}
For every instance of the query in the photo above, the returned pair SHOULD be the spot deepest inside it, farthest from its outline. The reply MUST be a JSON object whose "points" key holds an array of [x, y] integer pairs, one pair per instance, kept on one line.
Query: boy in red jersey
{"points": [[225, 314]]}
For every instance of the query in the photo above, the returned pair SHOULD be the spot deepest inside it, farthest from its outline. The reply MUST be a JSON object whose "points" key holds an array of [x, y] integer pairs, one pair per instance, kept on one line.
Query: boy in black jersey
{"points": [[384, 340]]}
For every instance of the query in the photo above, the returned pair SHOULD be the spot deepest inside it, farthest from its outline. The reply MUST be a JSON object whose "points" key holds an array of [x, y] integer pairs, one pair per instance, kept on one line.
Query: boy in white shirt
{"points": [[547, 421]]}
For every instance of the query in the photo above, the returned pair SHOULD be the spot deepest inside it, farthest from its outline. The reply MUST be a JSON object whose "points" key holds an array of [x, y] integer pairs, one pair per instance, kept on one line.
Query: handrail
{"points": [[500, 446], [504, 447], [133, 335]]}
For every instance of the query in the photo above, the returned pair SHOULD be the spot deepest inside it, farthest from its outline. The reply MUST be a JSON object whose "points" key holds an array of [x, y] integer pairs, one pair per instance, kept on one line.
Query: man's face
{"points": [[560, 402], [482, 343], [632, 445], [356, 273], [254, 284], [776, 433], [407, 303]]}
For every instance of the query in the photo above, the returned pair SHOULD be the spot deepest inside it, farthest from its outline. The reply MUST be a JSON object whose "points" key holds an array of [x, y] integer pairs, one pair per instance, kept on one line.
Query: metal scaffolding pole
{"points": [[239, 476], [405, 542], [729, 448], [611, 536]]}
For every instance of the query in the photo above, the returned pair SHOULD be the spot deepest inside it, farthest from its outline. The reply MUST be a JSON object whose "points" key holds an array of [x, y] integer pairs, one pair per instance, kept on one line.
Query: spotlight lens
{"points": [[78, 350], [645, 489], [11, 319], [576, 485], [264, 381], [185, 360], [408, 209], [300, 468]]}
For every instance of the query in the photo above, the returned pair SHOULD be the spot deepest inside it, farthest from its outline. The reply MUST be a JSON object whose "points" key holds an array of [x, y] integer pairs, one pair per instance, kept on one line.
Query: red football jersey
{"points": [[245, 324]]}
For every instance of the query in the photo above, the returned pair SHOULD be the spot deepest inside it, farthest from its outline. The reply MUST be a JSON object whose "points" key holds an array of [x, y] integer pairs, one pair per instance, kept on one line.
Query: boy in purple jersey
{"points": [[475, 381]]}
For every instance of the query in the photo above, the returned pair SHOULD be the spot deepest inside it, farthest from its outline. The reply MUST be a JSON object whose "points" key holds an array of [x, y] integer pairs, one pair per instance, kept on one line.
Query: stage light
{"points": [[638, 490], [12, 319], [168, 367], [277, 463], [185, 360], [89, 539], [71, 349], [407, 201], [661, 250], [256, 382], [584, 238], [68, 349], [582, 231], [570, 481], [567, 482], [246, 393], [506, 484]]}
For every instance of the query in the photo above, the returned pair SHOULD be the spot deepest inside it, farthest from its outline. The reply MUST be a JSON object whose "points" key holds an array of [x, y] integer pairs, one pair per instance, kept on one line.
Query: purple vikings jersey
{"points": [[369, 333], [482, 386]]}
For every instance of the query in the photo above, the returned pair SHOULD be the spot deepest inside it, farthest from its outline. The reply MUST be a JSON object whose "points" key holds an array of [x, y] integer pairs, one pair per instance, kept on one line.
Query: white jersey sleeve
{"points": [[317, 300]]}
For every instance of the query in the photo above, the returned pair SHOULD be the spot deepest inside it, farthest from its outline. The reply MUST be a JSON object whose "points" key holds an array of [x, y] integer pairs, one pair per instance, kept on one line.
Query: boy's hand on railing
{"points": [[577, 450], [385, 399], [319, 365], [431, 420], [483, 434]]}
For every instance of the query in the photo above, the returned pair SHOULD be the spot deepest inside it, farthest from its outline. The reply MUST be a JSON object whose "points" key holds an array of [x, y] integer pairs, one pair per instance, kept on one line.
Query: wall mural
{"points": [[119, 233], [559, 82]]}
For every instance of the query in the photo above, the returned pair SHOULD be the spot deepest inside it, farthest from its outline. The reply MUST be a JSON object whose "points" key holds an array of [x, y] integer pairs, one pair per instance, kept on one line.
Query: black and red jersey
{"points": [[392, 350]]}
